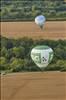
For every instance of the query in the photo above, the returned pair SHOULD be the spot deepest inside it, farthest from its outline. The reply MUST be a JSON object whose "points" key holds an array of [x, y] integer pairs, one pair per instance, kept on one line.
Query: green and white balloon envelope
{"points": [[42, 55]]}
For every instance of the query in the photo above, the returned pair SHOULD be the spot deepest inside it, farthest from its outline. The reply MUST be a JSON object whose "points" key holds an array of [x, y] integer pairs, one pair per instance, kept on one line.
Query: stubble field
{"points": [[52, 30], [34, 86]]}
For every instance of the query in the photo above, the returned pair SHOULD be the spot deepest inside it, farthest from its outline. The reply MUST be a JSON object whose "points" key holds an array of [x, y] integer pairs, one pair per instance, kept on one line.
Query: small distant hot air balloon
{"points": [[40, 20], [42, 55]]}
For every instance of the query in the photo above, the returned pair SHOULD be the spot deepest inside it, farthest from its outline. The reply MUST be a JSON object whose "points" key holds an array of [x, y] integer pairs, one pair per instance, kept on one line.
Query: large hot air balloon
{"points": [[42, 55], [40, 20]]}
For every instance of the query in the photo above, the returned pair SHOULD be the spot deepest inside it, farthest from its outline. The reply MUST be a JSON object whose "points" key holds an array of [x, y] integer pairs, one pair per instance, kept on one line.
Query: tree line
{"points": [[15, 54], [27, 10]]}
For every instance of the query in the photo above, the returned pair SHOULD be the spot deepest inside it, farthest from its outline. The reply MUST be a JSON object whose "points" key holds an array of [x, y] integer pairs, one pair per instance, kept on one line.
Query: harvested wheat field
{"points": [[52, 30], [34, 86]]}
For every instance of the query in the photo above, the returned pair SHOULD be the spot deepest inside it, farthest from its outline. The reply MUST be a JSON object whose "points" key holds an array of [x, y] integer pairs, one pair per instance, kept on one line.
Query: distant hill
{"points": [[26, 10]]}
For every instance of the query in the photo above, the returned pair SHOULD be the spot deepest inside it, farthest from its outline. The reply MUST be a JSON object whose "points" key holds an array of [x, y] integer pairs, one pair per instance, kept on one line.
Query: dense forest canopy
{"points": [[26, 10]]}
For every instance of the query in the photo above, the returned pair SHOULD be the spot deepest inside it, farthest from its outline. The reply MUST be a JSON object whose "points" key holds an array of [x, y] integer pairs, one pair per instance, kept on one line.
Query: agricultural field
{"points": [[21, 79], [34, 86], [52, 30]]}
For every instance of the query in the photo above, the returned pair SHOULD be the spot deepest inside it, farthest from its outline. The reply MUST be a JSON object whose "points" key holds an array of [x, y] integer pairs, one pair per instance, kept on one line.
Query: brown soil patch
{"points": [[52, 30], [34, 86]]}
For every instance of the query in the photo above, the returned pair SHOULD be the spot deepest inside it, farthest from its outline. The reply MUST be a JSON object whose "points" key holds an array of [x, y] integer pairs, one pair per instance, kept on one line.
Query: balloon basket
{"points": [[42, 69]]}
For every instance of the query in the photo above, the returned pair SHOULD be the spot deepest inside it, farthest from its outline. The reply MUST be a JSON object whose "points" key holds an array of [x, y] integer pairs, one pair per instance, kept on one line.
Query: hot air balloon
{"points": [[40, 20], [42, 55]]}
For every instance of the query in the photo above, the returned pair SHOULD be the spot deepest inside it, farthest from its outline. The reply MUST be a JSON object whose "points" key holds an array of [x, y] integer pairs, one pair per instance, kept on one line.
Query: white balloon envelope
{"points": [[42, 55], [40, 20]]}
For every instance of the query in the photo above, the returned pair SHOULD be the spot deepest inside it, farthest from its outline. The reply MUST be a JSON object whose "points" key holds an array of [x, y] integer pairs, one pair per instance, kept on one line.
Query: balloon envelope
{"points": [[40, 20], [42, 55]]}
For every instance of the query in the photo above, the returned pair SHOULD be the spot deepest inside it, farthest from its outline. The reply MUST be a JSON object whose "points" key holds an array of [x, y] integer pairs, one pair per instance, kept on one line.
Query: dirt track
{"points": [[52, 30], [34, 86]]}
